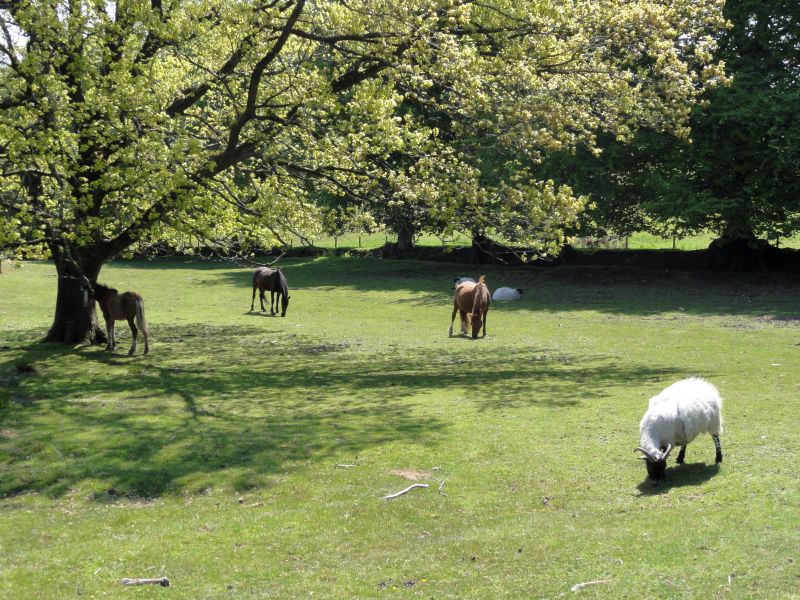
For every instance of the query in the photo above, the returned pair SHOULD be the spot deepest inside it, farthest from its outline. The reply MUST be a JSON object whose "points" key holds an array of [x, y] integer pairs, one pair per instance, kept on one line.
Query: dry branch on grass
{"points": [[162, 581], [579, 586], [405, 491]]}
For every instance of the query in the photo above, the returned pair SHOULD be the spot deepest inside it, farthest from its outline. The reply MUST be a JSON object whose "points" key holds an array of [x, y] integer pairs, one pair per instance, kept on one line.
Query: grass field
{"points": [[248, 456]]}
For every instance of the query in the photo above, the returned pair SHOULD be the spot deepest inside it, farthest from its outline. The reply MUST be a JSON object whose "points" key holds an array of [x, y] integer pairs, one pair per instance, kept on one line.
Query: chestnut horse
{"points": [[265, 279], [472, 301], [127, 306]]}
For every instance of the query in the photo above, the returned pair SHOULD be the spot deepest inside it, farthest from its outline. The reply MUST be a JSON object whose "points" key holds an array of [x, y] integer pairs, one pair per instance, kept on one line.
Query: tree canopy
{"points": [[126, 121], [739, 174]]}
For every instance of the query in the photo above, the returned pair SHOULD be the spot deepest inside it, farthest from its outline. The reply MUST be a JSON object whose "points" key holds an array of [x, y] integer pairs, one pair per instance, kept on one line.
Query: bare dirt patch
{"points": [[7, 434], [759, 321], [412, 474]]}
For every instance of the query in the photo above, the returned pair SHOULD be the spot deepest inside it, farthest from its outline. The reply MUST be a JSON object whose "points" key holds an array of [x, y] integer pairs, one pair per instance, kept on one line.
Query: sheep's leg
{"points": [[681, 455], [715, 437]]}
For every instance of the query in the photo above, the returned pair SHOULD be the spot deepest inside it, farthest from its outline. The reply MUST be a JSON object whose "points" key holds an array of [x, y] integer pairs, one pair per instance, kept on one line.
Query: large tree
{"points": [[745, 159], [123, 119], [739, 174]]}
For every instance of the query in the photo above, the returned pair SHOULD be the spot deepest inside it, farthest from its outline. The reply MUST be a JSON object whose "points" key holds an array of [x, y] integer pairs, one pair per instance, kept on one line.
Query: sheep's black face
{"points": [[656, 469]]}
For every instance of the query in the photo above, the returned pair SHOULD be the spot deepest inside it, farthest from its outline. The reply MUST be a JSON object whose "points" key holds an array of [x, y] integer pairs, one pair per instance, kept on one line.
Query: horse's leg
{"points": [[453, 318], [133, 335], [486, 312], [261, 299], [272, 302], [110, 336], [110, 344], [253, 300]]}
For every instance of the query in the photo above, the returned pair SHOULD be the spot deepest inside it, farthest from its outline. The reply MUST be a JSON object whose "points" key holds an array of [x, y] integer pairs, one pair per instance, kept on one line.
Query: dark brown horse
{"points": [[265, 279], [472, 301], [127, 306]]}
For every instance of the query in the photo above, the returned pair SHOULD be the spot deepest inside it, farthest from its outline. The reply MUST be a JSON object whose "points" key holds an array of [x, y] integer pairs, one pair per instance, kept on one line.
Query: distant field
{"points": [[638, 241], [248, 456]]}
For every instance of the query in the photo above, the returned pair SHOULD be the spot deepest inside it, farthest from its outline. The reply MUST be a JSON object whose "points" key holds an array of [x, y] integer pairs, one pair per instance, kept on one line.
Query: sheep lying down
{"points": [[675, 417], [507, 294]]}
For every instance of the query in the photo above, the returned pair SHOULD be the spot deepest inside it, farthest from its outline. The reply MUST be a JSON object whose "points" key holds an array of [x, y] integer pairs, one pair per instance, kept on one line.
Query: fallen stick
{"points": [[163, 581], [405, 491], [579, 586]]}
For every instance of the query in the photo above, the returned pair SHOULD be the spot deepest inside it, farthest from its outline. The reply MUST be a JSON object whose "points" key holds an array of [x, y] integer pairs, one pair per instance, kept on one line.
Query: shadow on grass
{"points": [[685, 475], [613, 290], [260, 313], [233, 406]]}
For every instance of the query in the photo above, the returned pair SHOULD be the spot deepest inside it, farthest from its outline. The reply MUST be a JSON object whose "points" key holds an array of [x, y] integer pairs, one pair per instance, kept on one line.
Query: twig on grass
{"points": [[345, 465], [162, 581], [579, 586], [405, 491]]}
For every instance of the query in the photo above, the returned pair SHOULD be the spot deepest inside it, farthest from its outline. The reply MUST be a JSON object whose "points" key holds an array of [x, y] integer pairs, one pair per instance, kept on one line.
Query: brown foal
{"points": [[127, 306]]}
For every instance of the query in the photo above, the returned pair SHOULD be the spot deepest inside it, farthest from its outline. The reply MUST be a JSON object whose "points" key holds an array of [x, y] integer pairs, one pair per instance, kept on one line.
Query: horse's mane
{"points": [[282, 282], [480, 298], [99, 287]]}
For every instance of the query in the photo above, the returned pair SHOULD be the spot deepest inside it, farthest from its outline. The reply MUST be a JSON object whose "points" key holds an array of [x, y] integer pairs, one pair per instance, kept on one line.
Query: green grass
{"points": [[213, 460]]}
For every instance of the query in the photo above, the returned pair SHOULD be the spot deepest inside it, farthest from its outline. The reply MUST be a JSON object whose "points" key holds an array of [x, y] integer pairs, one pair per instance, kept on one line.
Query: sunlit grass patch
{"points": [[248, 456]]}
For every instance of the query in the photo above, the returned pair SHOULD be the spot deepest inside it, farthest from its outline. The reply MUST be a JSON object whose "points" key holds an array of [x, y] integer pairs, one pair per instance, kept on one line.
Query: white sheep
{"points": [[675, 417], [457, 281], [507, 293]]}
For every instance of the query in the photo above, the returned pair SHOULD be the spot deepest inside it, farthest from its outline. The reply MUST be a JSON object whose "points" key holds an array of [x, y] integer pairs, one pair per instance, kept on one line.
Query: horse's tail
{"points": [[140, 320], [482, 279]]}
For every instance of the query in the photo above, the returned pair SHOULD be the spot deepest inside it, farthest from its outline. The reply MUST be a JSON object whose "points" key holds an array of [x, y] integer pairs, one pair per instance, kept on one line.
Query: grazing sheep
{"points": [[675, 417], [507, 293], [459, 280]]}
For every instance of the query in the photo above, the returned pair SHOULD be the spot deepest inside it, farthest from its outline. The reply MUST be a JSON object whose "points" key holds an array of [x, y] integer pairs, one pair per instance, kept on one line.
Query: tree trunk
{"points": [[738, 254], [405, 238], [75, 319], [480, 248]]}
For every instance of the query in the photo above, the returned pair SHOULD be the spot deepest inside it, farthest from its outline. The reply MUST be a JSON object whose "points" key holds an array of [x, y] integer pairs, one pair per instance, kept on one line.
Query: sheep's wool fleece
{"points": [[460, 280], [506, 293], [681, 412]]}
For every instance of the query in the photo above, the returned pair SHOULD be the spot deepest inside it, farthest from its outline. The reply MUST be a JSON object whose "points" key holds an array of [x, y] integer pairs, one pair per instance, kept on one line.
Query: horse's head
{"points": [[284, 303], [100, 291], [476, 319]]}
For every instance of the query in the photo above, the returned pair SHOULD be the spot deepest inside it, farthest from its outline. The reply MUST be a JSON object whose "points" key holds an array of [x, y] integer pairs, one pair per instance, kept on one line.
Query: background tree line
{"points": [[736, 176]]}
